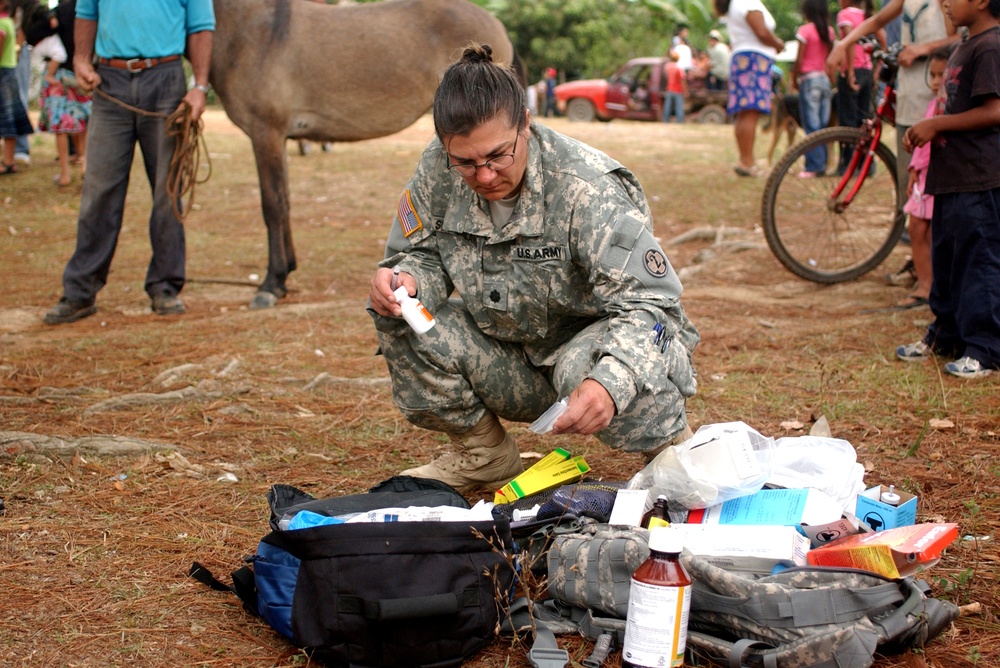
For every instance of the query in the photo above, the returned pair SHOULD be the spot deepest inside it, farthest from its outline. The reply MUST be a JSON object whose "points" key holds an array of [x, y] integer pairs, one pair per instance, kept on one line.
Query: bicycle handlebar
{"points": [[889, 56]]}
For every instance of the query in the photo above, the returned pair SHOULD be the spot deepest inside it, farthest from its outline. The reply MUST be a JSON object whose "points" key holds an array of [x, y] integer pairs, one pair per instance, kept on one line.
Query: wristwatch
{"points": [[204, 88]]}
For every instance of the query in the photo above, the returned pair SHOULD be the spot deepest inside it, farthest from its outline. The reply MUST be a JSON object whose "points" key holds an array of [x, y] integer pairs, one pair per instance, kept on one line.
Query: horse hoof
{"points": [[263, 299]]}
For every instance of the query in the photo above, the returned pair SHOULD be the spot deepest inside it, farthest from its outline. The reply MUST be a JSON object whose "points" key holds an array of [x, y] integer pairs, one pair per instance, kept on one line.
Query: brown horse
{"points": [[304, 70]]}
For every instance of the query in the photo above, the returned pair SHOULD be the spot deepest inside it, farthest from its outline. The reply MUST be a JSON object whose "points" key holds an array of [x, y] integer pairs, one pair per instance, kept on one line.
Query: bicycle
{"points": [[828, 229]]}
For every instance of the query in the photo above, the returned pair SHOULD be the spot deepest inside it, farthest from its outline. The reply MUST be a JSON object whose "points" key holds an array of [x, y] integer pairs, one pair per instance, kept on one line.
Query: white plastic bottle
{"points": [[416, 314], [659, 601]]}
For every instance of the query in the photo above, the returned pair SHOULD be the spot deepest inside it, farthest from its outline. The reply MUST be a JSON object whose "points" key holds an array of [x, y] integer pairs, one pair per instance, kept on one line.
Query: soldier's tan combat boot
{"points": [[484, 456]]}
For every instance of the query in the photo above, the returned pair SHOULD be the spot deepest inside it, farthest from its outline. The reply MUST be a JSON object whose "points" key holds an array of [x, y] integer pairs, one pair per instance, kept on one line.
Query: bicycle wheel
{"points": [[812, 233]]}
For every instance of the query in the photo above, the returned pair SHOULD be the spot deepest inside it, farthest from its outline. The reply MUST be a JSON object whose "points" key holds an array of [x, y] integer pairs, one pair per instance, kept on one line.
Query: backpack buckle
{"points": [[548, 657]]}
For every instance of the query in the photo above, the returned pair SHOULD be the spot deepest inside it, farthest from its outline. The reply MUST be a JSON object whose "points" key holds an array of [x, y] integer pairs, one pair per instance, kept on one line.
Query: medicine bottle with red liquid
{"points": [[658, 605]]}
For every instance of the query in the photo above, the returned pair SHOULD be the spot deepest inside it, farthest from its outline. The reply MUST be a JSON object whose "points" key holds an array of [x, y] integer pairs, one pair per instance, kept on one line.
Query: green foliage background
{"points": [[593, 38]]}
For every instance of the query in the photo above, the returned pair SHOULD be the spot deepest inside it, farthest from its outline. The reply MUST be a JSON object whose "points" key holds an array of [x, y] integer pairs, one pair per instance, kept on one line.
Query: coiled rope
{"points": [[189, 145]]}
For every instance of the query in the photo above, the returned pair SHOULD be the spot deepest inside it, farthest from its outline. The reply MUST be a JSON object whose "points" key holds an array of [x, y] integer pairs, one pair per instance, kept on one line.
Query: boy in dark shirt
{"points": [[965, 181]]}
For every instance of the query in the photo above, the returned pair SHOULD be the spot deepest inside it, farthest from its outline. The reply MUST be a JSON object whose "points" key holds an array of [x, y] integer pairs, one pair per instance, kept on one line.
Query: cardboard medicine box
{"points": [[815, 513], [880, 516], [555, 469], [751, 549], [894, 553]]}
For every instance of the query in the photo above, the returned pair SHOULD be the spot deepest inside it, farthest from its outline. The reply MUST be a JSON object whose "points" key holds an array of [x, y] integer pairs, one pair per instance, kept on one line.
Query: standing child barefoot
{"points": [[919, 204]]}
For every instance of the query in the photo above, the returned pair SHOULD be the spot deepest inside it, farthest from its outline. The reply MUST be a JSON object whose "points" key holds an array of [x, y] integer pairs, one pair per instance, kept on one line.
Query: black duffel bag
{"points": [[380, 594]]}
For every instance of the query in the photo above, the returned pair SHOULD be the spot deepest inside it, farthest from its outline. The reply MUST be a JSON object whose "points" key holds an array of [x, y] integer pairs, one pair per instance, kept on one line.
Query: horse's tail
{"points": [[519, 67]]}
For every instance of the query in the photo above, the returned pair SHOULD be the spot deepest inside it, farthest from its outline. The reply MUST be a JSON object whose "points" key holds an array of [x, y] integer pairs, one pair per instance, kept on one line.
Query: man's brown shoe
{"points": [[167, 304], [68, 311]]}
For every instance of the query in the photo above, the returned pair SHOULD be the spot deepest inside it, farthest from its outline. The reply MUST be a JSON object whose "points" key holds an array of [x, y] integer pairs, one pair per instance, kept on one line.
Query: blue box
{"points": [[881, 516], [818, 516]]}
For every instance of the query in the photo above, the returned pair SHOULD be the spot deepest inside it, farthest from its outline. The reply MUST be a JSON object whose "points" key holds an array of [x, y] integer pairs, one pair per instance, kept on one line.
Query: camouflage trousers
{"points": [[446, 380]]}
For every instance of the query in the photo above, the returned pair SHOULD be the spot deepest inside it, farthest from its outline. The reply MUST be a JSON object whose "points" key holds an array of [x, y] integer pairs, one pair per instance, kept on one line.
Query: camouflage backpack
{"points": [[799, 618], [806, 617], [593, 568]]}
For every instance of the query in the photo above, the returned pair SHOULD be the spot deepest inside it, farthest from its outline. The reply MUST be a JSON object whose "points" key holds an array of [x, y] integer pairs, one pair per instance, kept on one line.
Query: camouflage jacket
{"points": [[578, 248]]}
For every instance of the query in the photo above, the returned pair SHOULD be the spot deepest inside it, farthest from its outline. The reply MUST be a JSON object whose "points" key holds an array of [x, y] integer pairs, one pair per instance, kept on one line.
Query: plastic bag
{"points": [[543, 424], [827, 464], [720, 462]]}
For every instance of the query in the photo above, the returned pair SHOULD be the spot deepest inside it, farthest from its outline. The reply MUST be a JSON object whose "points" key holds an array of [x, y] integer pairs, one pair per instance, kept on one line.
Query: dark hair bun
{"points": [[478, 54]]}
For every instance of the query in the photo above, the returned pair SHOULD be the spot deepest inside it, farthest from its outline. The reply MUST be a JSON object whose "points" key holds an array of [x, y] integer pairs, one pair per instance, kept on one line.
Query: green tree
{"points": [[585, 38], [593, 38], [697, 15]]}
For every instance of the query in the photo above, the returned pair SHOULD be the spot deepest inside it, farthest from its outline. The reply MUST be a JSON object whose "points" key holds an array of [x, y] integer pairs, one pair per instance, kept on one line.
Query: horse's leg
{"points": [[272, 169]]}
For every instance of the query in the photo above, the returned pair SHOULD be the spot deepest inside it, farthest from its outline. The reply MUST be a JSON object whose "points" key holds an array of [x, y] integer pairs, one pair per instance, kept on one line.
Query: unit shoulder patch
{"points": [[655, 262]]}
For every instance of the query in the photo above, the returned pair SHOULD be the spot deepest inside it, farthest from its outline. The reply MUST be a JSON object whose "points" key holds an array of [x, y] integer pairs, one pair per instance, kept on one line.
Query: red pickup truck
{"points": [[634, 92]]}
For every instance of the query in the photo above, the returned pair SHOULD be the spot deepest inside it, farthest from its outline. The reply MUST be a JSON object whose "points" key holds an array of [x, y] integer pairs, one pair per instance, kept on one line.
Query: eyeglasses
{"points": [[495, 163]]}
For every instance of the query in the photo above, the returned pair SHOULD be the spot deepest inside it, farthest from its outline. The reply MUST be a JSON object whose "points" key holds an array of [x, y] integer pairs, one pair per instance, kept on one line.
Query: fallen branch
{"points": [[170, 376], [13, 442], [326, 379], [149, 399]]}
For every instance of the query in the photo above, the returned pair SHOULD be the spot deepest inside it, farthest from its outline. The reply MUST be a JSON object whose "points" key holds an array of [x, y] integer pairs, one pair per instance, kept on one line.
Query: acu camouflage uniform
{"points": [[570, 288], [809, 617]]}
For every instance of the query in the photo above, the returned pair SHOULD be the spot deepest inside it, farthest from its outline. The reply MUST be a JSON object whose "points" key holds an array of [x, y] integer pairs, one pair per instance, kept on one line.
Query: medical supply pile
{"points": [[732, 548]]}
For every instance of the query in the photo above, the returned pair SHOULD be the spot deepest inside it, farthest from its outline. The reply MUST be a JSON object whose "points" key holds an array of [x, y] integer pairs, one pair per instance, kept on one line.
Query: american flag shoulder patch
{"points": [[409, 221]]}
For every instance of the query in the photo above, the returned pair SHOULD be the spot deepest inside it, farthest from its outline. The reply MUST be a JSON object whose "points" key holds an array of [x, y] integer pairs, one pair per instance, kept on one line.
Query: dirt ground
{"points": [[135, 444]]}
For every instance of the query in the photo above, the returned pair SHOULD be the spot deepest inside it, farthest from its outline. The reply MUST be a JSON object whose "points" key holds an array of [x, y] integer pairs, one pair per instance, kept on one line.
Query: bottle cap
{"points": [[890, 497], [665, 539], [401, 293]]}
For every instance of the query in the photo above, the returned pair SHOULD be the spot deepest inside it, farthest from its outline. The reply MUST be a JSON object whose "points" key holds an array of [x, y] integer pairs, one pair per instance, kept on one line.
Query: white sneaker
{"points": [[22, 158], [914, 352], [967, 367]]}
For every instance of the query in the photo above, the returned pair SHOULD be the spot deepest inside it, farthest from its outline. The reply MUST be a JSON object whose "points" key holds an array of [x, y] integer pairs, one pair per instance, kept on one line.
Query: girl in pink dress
{"points": [[919, 205]]}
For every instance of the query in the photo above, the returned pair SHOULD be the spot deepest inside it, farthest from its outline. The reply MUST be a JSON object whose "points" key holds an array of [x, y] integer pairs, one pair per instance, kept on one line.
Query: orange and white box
{"points": [[895, 553]]}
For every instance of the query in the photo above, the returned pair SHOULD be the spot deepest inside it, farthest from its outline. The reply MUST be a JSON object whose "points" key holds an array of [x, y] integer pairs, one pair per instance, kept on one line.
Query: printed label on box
{"points": [[630, 505], [880, 516], [894, 553]]}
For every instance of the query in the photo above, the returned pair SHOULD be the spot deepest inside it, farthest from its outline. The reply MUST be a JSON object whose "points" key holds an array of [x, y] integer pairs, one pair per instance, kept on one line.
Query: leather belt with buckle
{"points": [[136, 64]]}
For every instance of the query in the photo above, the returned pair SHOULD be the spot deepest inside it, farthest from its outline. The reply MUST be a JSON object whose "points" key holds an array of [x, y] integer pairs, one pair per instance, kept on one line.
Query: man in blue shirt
{"points": [[138, 49]]}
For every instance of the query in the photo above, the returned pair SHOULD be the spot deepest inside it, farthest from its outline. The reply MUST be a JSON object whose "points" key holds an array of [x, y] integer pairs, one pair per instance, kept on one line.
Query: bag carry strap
{"points": [[741, 647], [594, 626], [545, 651], [204, 576], [243, 585], [809, 607], [601, 650], [393, 609], [895, 625], [855, 651]]}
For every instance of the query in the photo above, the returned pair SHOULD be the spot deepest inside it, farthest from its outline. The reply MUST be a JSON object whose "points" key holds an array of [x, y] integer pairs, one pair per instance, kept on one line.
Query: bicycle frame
{"points": [[830, 238], [885, 111]]}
